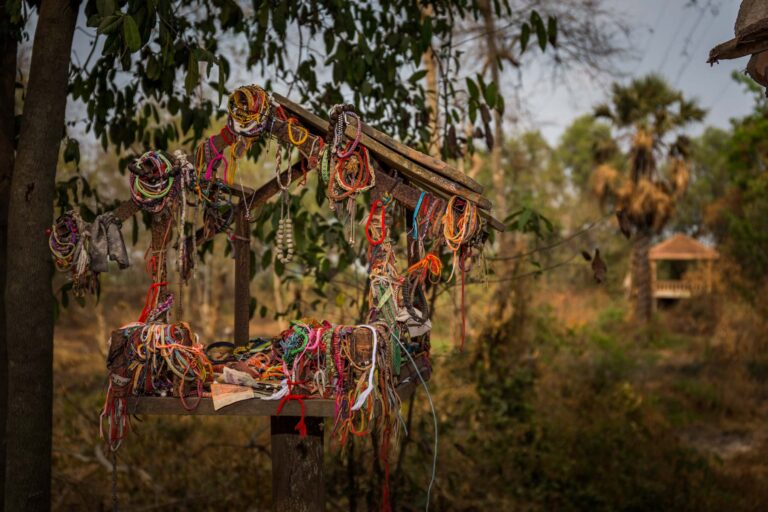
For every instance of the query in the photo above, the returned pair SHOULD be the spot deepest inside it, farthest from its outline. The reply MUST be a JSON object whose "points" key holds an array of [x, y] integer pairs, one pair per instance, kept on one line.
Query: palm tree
{"points": [[650, 113]]}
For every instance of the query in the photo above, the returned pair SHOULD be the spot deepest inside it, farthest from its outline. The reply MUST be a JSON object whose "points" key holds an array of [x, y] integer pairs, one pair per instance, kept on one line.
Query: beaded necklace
{"points": [[284, 235]]}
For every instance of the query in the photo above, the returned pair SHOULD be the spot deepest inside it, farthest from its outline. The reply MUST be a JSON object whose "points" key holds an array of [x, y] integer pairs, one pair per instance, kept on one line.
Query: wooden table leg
{"points": [[298, 484]]}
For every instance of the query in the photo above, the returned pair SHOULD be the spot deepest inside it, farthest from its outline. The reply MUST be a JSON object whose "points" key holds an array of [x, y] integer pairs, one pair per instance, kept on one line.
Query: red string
{"points": [[151, 300], [280, 113], [227, 135], [301, 426]]}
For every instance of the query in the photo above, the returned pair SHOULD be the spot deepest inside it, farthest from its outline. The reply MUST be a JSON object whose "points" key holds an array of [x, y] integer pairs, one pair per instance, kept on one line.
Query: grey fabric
{"points": [[107, 243]]}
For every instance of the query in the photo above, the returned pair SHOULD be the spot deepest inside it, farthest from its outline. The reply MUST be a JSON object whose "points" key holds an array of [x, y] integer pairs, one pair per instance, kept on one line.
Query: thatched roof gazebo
{"points": [[681, 248]]}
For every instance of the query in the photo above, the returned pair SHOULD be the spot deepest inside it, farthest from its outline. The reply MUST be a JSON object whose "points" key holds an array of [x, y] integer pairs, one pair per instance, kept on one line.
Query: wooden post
{"points": [[709, 276], [159, 249], [298, 484], [242, 245]]}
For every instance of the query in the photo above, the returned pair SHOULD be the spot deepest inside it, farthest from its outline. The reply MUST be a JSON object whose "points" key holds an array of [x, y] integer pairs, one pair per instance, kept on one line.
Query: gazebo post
{"points": [[709, 276]]}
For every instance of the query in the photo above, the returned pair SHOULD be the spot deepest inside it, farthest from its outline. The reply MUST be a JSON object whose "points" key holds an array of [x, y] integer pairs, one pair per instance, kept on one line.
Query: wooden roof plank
{"points": [[390, 157], [434, 164]]}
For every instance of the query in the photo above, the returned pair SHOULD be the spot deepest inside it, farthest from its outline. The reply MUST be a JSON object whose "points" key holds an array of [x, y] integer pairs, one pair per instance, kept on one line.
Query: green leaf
{"points": [[109, 24], [490, 93], [417, 76], [552, 30], [72, 151], [329, 40], [524, 218], [525, 36], [153, 68], [135, 231], [266, 259], [105, 7], [426, 32], [541, 34], [252, 307], [264, 16], [472, 89], [131, 33], [193, 74]]}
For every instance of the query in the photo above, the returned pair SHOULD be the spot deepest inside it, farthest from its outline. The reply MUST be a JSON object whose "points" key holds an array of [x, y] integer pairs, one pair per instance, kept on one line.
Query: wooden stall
{"points": [[397, 173]]}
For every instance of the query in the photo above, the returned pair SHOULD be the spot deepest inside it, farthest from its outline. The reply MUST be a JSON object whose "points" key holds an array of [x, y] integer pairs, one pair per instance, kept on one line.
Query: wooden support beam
{"points": [[391, 158], [242, 247], [161, 226], [431, 163], [409, 196], [125, 210], [258, 197], [322, 408], [298, 484], [171, 406]]}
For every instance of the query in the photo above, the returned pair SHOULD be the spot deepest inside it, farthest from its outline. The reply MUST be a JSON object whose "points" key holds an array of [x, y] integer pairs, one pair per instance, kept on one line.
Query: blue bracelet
{"points": [[416, 216]]}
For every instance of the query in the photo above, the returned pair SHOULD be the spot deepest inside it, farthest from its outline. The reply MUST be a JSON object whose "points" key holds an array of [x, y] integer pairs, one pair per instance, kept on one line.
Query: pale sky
{"points": [[670, 39]]}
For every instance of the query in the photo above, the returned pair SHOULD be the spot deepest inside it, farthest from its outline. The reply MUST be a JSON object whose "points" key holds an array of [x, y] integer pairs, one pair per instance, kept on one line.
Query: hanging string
{"points": [[461, 223], [69, 240], [369, 227], [430, 266], [434, 417], [212, 162]]}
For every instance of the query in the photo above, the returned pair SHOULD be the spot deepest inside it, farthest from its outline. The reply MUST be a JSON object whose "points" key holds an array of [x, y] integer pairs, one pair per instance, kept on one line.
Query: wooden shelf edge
{"points": [[171, 406]]}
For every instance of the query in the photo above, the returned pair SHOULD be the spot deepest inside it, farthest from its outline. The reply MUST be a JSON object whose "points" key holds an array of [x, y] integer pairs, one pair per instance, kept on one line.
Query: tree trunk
{"points": [[641, 277], [492, 52], [28, 290], [428, 59], [8, 46]]}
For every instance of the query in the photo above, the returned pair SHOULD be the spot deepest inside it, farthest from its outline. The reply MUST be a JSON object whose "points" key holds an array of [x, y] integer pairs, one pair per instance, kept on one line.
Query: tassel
{"points": [[301, 426]]}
